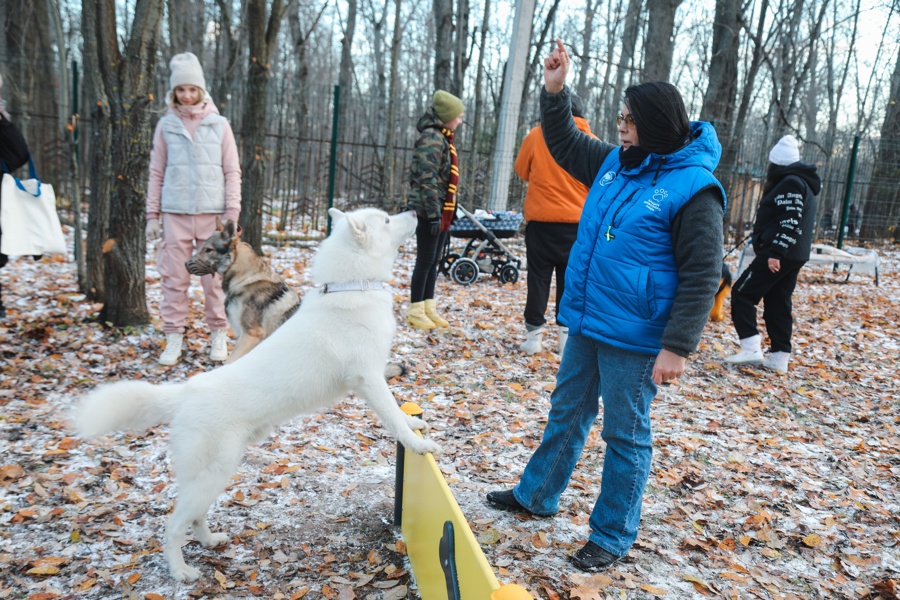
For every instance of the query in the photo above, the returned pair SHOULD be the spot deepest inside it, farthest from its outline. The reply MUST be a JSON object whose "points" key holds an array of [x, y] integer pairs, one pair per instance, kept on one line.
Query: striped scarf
{"points": [[449, 209]]}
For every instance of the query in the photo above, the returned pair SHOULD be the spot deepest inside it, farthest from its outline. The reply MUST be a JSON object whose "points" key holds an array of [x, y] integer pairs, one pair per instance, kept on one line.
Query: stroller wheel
{"points": [[508, 274], [447, 263], [464, 271]]}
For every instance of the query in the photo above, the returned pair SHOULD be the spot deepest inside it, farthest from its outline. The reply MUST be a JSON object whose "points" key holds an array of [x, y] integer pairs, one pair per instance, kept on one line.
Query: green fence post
{"points": [[332, 166], [851, 174]]}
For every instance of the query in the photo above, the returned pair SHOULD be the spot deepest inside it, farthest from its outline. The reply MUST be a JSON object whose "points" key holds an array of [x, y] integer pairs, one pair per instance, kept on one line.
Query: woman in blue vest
{"points": [[640, 282]]}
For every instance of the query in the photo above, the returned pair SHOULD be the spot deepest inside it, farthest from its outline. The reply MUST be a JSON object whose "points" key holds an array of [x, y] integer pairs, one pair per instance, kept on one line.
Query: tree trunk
{"points": [[345, 76], [443, 44], [460, 48], [101, 163], [263, 39], [590, 12], [626, 60], [537, 59], [721, 91], [187, 25], [126, 76], [479, 83], [881, 212], [229, 51], [660, 42], [393, 198]]}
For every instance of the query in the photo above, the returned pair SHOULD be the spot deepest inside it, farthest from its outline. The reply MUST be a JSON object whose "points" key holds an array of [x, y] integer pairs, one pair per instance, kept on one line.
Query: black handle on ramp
{"points": [[447, 552]]}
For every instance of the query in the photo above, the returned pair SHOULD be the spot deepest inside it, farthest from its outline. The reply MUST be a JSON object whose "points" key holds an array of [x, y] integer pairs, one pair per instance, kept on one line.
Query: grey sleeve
{"points": [[697, 240], [578, 153]]}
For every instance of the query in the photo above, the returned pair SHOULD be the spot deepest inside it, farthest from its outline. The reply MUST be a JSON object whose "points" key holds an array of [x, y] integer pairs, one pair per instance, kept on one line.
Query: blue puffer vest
{"points": [[622, 277]]}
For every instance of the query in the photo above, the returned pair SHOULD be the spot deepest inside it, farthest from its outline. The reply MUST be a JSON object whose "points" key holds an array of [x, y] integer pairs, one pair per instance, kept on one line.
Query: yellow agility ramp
{"points": [[446, 558]]}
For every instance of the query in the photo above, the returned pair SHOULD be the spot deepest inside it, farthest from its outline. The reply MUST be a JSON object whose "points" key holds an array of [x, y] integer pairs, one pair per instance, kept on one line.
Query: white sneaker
{"points": [[218, 350], [777, 361], [532, 343], [562, 338], [751, 352], [172, 353]]}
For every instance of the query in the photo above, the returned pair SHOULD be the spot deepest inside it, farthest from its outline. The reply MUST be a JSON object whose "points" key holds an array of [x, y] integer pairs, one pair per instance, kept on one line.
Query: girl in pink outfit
{"points": [[195, 176]]}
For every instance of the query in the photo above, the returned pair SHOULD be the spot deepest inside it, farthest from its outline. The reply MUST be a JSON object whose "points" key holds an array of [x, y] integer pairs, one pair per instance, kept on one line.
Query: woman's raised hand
{"points": [[556, 67]]}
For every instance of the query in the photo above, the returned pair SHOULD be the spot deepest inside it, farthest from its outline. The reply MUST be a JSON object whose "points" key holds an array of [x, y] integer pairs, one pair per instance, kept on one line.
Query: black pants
{"points": [[775, 290], [429, 249], [547, 247]]}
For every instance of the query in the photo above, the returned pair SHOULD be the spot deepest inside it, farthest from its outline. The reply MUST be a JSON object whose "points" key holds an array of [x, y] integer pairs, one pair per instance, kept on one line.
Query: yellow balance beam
{"points": [[427, 503]]}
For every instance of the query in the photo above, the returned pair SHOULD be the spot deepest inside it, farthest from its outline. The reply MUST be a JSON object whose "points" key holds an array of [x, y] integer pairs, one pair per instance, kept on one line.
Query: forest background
{"points": [[86, 82]]}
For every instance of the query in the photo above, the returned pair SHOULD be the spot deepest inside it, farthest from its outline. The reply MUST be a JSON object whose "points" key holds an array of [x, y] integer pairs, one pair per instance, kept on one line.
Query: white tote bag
{"points": [[28, 217]]}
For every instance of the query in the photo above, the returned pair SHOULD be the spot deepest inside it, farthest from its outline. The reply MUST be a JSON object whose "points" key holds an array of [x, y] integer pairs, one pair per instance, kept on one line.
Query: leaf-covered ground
{"points": [[763, 486]]}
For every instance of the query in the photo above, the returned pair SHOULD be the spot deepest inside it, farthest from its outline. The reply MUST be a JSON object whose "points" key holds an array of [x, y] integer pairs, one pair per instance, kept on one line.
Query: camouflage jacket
{"points": [[429, 174]]}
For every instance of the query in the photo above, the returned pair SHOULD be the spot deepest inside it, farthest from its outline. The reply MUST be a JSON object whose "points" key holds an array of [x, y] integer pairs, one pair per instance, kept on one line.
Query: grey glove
{"points": [[153, 229], [434, 227]]}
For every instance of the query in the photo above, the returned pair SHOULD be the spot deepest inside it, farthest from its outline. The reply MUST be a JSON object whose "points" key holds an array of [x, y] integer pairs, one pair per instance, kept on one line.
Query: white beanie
{"points": [[186, 70], [785, 152]]}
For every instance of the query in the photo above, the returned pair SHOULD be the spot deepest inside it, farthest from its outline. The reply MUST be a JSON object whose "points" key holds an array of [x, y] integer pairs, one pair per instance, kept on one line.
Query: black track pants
{"points": [[775, 290]]}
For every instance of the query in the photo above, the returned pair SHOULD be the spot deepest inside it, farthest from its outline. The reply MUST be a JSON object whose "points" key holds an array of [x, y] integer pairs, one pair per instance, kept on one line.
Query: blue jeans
{"points": [[590, 370]]}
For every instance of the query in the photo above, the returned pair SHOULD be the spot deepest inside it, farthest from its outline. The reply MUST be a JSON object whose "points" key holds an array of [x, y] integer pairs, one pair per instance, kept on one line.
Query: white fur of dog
{"points": [[336, 343]]}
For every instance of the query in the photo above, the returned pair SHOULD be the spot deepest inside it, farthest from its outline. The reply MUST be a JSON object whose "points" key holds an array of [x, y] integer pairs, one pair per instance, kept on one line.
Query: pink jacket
{"points": [[191, 118]]}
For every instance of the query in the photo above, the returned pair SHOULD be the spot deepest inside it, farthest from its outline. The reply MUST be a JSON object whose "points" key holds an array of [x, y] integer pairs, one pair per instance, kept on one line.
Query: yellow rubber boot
{"points": [[417, 317], [431, 313]]}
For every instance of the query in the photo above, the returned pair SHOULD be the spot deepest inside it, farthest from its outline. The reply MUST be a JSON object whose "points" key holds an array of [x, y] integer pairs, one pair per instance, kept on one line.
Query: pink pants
{"points": [[180, 233]]}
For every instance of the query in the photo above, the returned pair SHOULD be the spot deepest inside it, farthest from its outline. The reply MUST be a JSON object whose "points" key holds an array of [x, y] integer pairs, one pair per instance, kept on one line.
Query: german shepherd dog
{"points": [[257, 300], [337, 342]]}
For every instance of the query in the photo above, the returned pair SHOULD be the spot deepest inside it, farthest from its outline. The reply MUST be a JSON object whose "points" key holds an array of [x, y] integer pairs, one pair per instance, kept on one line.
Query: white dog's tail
{"points": [[126, 405]]}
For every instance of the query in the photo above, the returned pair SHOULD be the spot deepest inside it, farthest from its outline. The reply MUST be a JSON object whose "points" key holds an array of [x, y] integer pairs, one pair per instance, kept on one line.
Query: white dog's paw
{"points": [[424, 446], [416, 424], [215, 539], [185, 573]]}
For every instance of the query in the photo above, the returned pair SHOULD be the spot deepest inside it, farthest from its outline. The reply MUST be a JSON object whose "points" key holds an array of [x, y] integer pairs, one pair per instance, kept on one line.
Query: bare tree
{"points": [[262, 28], [345, 76], [461, 51], [122, 79], [660, 41], [228, 51], [721, 91], [187, 24], [443, 44], [881, 214], [590, 12], [626, 60], [479, 77]]}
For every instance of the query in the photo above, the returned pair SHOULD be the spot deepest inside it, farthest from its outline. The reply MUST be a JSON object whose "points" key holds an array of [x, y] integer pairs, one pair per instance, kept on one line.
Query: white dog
{"points": [[338, 341]]}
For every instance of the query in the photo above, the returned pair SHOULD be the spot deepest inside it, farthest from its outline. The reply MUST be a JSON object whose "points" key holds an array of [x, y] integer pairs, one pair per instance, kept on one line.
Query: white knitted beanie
{"points": [[186, 70], [785, 152]]}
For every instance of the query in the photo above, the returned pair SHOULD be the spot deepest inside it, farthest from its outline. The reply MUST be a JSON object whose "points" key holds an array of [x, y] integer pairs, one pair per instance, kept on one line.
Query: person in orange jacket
{"points": [[553, 206]]}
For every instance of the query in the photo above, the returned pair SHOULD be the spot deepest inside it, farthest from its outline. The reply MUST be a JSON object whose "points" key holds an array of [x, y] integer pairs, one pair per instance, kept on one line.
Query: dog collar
{"points": [[362, 285]]}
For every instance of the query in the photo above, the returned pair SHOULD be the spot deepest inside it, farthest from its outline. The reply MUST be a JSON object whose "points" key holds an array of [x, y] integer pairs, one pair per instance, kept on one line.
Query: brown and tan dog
{"points": [[257, 300]]}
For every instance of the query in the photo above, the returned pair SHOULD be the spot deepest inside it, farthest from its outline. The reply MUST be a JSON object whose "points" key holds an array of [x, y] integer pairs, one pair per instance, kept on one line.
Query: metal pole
{"points": [[332, 166], [848, 192]]}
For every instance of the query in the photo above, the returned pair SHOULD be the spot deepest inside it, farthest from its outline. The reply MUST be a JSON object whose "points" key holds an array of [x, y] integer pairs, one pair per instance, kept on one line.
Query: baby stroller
{"points": [[484, 252]]}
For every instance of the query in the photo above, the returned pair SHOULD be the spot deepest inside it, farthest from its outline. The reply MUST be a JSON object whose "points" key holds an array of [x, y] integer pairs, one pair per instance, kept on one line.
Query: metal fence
{"points": [[298, 151]]}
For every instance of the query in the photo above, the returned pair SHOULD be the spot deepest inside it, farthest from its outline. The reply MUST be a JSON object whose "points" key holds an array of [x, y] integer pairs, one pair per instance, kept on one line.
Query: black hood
{"points": [[805, 171]]}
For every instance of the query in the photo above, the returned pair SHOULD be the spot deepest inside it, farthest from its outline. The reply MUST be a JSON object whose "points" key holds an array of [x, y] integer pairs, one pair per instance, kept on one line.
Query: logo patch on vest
{"points": [[653, 203], [607, 178]]}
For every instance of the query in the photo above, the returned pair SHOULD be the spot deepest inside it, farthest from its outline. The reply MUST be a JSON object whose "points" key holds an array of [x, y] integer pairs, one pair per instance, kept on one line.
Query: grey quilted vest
{"points": [[194, 182]]}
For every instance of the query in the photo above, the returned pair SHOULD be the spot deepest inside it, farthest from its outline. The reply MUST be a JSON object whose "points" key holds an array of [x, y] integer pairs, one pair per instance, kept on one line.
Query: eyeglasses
{"points": [[629, 120]]}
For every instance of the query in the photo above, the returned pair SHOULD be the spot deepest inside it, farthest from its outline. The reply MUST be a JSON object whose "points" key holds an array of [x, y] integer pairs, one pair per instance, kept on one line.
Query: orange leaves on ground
{"points": [[11, 473]]}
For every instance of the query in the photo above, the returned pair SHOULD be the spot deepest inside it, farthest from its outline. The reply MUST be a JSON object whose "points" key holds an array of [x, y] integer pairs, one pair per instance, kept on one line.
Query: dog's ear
{"points": [[231, 228], [358, 227], [335, 213], [219, 225]]}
